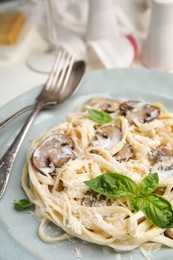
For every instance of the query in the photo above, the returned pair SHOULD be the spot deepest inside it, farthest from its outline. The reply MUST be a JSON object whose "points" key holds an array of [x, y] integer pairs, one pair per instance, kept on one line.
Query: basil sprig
{"points": [[113, 185], [99, 116], [156, 208], [22, 204], [149, 184]]}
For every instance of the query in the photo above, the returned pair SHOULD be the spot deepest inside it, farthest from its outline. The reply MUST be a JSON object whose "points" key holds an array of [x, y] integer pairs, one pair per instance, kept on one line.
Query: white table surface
{"points": [[16, 79]]}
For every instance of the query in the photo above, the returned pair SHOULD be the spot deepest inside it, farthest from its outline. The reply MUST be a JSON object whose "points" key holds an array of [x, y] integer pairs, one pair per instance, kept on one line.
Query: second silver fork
{"points": [[54, 86]]}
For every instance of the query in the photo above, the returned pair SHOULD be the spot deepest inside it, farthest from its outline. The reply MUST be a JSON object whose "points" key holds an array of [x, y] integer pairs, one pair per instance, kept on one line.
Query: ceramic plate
{"points": [[18, 230]]}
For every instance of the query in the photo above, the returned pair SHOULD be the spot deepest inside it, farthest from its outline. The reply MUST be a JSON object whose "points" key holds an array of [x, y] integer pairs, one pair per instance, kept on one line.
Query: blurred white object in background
{"points": [[101, 20], [119, 52], [106, 46], [158, 47], [57, 34], [51, 16]]}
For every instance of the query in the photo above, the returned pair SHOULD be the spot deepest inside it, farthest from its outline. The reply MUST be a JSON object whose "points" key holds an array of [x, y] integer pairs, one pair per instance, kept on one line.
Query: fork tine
{"points": [[68, 72], [59, 69], [68, 63], [53, 70], [65, 74], [60, 72]]}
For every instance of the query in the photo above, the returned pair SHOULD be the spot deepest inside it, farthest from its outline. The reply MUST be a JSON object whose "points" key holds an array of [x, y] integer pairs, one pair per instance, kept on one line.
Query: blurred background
{"points": [[106, 34]]}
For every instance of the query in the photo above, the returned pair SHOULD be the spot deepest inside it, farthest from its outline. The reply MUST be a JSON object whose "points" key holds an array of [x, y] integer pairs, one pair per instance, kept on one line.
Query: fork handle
{"points": [[15, 115], [7, 161]]}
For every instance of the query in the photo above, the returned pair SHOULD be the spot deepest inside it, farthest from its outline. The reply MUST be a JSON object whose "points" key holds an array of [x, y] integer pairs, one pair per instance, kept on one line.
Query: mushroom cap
{"points": [[169, 233], [162, 161], [161, 153], [138, 110], [53, 152], [107, 105], [110, 135], [124, 154], [91, 199]]}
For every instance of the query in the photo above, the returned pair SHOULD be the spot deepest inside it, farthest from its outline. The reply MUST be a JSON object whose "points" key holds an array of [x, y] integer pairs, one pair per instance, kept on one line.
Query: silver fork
{"points": [[54, 86]]}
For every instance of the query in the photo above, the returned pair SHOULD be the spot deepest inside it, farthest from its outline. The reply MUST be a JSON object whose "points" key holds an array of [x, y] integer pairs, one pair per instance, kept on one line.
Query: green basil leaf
{"points": [[136, 203], [113, 185], [99, 116], [22, 204], [158, 210], [149, 184]]}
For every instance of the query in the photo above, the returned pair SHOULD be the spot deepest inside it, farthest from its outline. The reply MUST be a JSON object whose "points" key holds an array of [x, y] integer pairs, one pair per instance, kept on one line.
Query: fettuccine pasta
{"points": [[137, 141]]}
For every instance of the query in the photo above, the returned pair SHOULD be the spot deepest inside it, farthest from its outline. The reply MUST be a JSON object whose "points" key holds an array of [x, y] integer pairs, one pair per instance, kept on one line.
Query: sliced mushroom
{"points": [[107, 105], [169, 233], [138, 110], [124, 154], [91, 199], [164, 166], [162, 161], [53, 152], [160, 191], [88, 199], [109, 136], [161, 153]]}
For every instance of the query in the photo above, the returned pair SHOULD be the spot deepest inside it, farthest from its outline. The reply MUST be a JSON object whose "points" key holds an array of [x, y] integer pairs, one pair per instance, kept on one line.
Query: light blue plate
{"points": [[18, 230]]}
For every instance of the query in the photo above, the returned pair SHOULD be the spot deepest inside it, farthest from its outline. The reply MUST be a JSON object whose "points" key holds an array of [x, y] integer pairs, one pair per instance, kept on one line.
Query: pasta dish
{"points": [[105, 175]]}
